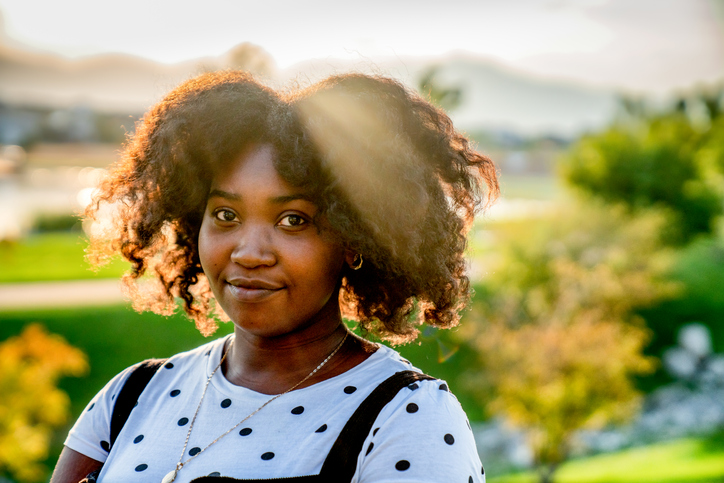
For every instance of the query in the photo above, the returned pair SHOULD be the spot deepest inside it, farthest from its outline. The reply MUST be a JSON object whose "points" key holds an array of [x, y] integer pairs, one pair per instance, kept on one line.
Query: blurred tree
{"points": [[31, 405], [555, 328], [446, 97], [657, 160], [245, 56], [251, 58]]}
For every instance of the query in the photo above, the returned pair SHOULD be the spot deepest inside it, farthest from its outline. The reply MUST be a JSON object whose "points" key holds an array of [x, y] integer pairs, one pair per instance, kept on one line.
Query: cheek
{"points": [[207, 247], [329, 265]]}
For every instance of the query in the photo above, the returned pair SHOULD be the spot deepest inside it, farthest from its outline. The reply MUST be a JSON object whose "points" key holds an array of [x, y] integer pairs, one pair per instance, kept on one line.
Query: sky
{"points": [[640, 45]]}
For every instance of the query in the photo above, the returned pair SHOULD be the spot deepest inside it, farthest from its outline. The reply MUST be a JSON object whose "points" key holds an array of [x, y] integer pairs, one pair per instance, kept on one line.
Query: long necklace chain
{"points": [[171, 476]]}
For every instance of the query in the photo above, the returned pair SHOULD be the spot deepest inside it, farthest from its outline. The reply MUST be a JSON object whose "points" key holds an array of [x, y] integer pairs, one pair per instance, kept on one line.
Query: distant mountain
{"points": [[494, 98], [110, 83]]}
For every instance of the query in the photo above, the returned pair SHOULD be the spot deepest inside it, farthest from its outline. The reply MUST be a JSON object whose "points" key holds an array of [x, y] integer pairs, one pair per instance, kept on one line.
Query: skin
{"points": [[276, 273], [73, 467]]}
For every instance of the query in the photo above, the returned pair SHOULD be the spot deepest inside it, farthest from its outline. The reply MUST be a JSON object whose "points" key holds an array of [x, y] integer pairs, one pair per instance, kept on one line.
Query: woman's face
{"points": [[272, 270]]}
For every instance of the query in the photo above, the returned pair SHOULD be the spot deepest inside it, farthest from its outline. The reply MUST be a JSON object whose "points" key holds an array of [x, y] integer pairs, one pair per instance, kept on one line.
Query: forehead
{"points": [[253, 167]]}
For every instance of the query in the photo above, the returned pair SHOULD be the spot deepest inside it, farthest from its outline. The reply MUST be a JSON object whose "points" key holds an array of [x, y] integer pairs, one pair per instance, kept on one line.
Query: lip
{"points": [[252, 290]]}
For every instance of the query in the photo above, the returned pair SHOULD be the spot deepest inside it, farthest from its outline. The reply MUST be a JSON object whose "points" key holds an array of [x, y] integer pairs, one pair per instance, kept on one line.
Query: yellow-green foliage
{"points": [[31, 405], [556, 333]]}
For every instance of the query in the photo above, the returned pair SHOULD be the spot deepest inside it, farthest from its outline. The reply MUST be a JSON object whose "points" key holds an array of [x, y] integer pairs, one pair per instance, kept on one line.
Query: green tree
{"points": [[661, 160], [31, 405], [555, 329], [446, 97]]}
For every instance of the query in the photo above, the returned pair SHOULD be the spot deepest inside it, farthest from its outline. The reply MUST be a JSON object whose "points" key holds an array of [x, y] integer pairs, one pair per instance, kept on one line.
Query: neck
{"points": [[273, 365]]}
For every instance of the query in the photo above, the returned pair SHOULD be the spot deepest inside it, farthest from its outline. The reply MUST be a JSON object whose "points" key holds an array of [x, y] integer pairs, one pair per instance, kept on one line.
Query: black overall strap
{"points": [[132, 389], [341, 462]]}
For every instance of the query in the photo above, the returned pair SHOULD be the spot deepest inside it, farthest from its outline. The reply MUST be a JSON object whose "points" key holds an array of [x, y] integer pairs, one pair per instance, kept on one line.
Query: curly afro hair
{"points": [[394, 180]]}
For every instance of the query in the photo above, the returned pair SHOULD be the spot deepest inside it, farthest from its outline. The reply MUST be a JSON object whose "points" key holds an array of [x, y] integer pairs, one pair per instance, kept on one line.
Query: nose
{"points": [[254, 247]]}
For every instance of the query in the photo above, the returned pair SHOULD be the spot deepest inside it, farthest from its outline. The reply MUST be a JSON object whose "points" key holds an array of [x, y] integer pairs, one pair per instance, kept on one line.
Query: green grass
{"points": [[692, 460], [51, 256], [113, 338]]}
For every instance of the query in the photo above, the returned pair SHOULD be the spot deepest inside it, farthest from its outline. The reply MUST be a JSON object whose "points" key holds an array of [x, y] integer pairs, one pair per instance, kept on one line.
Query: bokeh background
{"points": [[593, 348]]}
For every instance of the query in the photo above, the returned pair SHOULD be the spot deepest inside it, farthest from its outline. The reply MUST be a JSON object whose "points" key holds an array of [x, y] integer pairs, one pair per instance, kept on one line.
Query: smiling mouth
{"points": [[251, 292]]}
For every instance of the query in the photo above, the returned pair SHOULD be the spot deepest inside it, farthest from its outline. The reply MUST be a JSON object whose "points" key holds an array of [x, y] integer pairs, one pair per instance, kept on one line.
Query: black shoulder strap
{"points": [[341, 462], [132, 389]]}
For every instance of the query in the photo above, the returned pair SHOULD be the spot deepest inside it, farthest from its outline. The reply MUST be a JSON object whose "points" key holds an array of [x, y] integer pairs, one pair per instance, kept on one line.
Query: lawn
{"points": [[51, 256], [693, 460]]}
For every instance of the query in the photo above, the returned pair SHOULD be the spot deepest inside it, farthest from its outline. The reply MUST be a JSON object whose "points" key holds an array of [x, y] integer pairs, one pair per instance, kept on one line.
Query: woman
{"points": [[283, 213]]}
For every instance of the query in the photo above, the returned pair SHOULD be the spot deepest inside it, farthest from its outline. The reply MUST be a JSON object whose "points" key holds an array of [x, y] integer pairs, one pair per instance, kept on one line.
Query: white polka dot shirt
{"points": [[421, 435]]}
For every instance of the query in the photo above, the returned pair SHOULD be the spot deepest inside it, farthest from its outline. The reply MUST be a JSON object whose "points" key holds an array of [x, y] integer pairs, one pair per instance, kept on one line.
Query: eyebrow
{"points": [[286, 199], [224, 194], [279, 200]]}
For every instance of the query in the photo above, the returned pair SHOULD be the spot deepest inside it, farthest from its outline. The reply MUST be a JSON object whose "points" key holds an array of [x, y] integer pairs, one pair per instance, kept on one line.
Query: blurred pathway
{"points": [[60, 294]]}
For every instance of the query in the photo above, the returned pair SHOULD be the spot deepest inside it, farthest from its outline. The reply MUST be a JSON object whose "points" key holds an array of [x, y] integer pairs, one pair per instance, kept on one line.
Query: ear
{"points": [[349, 257]]}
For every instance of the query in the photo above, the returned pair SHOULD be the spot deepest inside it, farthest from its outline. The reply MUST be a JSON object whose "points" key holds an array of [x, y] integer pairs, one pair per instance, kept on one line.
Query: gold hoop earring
{"points": [[356, 262]]}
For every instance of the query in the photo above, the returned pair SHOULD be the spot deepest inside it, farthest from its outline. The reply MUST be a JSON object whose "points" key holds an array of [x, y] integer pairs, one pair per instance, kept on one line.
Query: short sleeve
{"points": [[90, 435], [422, 435]]}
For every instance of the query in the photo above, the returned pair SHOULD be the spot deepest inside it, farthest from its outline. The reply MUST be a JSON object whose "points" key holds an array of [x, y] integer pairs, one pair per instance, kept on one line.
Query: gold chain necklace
{"points": [[171, 475]]}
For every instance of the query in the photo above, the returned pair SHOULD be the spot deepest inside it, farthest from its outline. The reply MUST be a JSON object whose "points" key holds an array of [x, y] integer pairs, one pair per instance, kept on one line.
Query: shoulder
{"points": [[423, 434], [90, 435]]}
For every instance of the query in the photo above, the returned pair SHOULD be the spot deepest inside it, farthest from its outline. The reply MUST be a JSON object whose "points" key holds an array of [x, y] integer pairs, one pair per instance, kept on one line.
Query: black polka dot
{"points": [[413, 386], [226, 403], [321, 429], [183, 421], [402, 465], [105, 446], [175, 393], [113, 397], [92, 406], [215, 473], [369, 448], [207, 354], [482, 470], [245, 432], [138, 439], [412, 408], [142, 467], [194, 451], [168, 365], [449, 438], [443, 387], [470, 480], [374, 433], [267, 456], [135, 404], [405, 361], [349, 389], [298, 410]]}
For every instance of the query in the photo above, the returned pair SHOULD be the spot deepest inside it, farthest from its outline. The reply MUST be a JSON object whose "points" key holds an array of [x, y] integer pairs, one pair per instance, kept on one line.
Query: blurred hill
{"points": [[494, 98], [116, 83]]}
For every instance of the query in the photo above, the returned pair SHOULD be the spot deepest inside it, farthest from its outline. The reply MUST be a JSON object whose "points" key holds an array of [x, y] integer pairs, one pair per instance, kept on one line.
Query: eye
{"points": [[292, 221], [225, 215]]}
